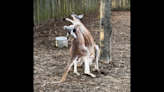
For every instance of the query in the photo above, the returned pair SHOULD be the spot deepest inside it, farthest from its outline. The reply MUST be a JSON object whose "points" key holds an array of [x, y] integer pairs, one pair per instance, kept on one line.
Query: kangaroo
{"points": [[78, 50], [89, 41]]}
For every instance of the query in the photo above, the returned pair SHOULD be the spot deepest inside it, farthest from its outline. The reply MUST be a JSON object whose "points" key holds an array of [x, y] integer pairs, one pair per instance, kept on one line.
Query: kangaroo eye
{"points": [[74, 30]]}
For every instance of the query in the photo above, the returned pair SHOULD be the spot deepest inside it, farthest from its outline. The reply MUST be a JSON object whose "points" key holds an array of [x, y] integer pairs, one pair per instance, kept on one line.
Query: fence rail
{"points": [[54, 9], [120, 5]]}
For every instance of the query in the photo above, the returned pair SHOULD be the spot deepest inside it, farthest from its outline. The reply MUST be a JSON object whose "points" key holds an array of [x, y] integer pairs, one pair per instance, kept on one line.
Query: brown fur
{"points": [[77, 50], [81, 46], [77, 46], [89, 41]]}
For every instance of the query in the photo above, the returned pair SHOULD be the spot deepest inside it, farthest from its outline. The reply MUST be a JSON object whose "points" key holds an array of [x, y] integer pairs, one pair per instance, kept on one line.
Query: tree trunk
{"points": [[105, 31]]}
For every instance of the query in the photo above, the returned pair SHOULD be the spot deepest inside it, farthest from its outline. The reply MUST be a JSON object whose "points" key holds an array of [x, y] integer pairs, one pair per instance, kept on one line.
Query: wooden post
{"points": [[105, 31]]}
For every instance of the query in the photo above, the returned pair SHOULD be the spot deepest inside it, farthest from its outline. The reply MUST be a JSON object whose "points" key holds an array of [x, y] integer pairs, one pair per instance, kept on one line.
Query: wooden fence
{"points": [[54, 9], [120, 5]]}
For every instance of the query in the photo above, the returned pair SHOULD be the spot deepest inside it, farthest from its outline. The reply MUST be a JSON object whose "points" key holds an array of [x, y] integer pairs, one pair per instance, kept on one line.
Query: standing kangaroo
{"points": [[89, 41], [78, 50]]}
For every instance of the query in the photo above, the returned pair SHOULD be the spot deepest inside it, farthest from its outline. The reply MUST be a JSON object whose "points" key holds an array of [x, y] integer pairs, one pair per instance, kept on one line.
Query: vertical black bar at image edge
{"points": [[19, 70], [17, 46]]}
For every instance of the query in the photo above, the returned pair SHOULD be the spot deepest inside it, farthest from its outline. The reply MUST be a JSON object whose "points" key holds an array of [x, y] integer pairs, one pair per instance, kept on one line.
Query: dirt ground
{"points": [[50, 61]]}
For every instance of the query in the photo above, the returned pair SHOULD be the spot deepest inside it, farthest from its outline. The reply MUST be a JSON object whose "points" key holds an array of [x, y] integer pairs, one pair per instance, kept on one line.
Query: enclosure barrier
{"points": [[120, 5], [54, 9]]}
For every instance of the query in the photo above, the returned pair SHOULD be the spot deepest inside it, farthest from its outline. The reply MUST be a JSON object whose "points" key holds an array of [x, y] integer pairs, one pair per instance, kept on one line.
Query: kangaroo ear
{"points": [[72, 13], [73, 34], [81, 16], [67, 34], [64, 27], [67, 28]]}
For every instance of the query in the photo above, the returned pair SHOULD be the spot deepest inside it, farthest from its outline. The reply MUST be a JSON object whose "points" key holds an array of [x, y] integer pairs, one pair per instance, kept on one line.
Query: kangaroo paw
{"points": [[77, 73], [92, 75], [96, 70]]}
